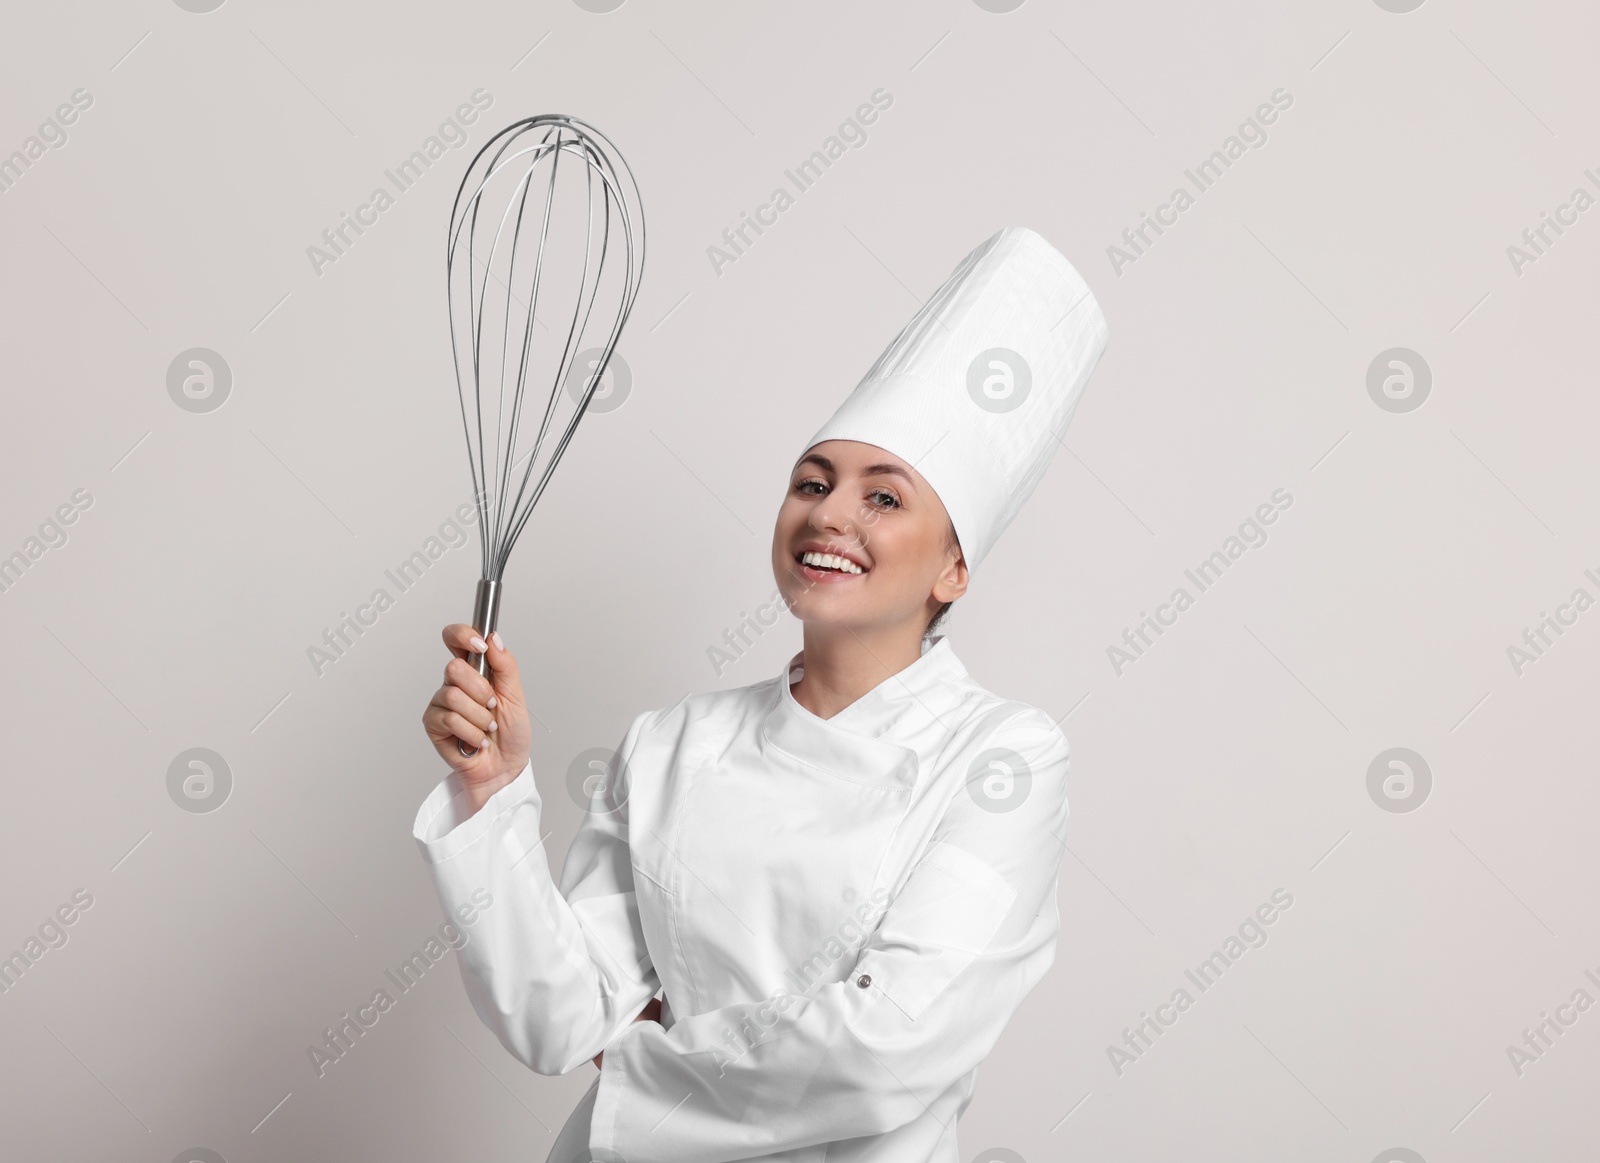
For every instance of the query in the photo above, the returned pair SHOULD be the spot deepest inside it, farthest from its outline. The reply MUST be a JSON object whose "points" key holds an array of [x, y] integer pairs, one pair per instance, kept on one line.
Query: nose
{"points": [[834, 515]]}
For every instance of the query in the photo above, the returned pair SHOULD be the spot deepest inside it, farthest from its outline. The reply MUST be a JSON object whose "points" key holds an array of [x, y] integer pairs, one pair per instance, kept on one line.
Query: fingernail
{"points": [[478, 644], [493, 702], [493, 726], [499, 645]]}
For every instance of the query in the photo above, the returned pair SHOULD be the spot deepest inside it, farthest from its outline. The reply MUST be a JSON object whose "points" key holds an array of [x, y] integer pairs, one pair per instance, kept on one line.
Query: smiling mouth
{"points": [[828, 565]]}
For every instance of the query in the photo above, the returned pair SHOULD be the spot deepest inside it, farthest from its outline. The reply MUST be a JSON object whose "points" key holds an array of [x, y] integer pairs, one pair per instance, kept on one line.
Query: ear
{"points": [[952, 582]]}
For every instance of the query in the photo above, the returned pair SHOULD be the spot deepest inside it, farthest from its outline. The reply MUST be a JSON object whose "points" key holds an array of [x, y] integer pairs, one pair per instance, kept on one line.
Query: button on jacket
{"points": [[841, 915]]}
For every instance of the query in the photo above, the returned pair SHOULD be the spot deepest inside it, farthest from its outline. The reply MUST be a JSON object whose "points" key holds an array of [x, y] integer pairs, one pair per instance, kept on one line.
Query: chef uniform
{"points": [[844, 913]]}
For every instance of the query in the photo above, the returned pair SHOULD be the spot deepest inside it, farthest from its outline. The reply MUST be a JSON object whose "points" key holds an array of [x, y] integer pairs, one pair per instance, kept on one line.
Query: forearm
{"points": [[841, 1064], [549, 977]]}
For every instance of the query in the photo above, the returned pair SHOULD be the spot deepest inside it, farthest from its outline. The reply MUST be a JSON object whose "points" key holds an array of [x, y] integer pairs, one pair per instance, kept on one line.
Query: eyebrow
{"points": [[871, 470]]}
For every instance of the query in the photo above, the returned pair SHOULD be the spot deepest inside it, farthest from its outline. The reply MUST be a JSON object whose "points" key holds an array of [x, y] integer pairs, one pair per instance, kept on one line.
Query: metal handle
{"points": [[485, 617]]}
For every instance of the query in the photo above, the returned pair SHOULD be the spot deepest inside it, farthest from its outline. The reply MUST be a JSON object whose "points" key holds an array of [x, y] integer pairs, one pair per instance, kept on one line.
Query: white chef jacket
{"points": [[843, 914]]}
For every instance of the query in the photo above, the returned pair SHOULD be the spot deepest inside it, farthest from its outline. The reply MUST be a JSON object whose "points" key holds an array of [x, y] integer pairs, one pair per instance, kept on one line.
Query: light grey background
{"points": [[1229, 761]]}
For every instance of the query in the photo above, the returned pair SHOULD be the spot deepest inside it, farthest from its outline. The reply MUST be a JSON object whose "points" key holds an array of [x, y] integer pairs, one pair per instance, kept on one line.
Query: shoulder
{"points": [[992, 720], [1011, 760]]}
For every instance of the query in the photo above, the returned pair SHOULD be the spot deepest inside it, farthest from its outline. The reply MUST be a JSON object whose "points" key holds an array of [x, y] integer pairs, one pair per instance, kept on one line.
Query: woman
{"points": [[830, 890]]}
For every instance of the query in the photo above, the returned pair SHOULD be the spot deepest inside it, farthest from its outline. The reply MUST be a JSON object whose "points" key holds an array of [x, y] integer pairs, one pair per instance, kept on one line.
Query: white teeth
{"points": [[831, 561]]}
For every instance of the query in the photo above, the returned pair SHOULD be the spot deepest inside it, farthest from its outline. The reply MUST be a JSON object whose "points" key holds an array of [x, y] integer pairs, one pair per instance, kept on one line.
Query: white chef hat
{"points": [[977, 390]]}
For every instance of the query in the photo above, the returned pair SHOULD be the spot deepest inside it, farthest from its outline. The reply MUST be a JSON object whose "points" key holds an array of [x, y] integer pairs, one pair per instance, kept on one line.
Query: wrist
{"points": [[478, 793]]}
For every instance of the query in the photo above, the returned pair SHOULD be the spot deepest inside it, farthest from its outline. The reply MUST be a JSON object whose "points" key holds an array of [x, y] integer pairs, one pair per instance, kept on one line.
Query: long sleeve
{"points": [[966, 939], [555, 973]]}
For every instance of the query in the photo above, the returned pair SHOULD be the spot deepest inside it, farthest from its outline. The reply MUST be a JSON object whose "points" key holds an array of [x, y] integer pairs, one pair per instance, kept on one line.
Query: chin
{"points": [[823, 610], [810, 607]]}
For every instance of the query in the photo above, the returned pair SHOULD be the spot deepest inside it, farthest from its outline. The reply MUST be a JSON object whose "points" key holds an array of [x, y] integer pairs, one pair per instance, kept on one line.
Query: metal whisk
{"points": [[500, 339]]}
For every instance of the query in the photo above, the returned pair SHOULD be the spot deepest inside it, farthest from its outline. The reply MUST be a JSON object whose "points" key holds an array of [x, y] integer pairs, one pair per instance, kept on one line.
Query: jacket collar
{"points": [[872, 738]]}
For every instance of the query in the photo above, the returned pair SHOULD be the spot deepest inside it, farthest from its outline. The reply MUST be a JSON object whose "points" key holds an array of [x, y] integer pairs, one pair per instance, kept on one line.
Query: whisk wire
{"points": [[504, 499], [504, 463], [568, 351]]}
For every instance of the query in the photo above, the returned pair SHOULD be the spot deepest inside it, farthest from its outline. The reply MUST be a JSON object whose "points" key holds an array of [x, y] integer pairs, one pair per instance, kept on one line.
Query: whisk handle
{"points": [[485, 617]]}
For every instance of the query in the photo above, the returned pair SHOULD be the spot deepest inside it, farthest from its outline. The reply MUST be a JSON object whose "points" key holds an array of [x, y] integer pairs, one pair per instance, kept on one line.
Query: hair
{"points": [[951, 542]]}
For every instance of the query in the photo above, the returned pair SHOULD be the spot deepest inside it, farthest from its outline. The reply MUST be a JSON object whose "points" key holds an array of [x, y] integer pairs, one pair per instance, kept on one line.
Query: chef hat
{"points": [[977, 390]]}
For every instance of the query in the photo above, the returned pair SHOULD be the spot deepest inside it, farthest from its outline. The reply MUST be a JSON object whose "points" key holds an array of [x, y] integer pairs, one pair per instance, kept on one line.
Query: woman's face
{"points": [[856, 501]]}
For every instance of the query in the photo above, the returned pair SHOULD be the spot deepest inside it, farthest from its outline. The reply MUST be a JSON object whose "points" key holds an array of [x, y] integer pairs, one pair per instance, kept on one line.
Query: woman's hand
{"points": [[487, 713], [650, 1013]]}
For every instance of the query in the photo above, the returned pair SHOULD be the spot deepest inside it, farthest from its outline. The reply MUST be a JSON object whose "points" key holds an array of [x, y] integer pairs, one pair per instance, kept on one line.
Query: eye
{"points": [[893, 502], [801, 486]]}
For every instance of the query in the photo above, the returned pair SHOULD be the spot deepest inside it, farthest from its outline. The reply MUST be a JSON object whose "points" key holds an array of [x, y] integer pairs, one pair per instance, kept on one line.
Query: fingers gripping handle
{"points": [[485, 617]]}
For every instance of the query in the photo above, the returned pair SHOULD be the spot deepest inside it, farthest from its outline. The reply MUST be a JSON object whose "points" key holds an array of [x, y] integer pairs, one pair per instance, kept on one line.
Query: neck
{"points": [[842, 664]]}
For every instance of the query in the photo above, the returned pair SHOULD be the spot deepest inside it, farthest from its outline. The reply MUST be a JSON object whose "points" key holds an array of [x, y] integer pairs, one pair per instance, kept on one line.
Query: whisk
{"points": [[500, 341]]}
